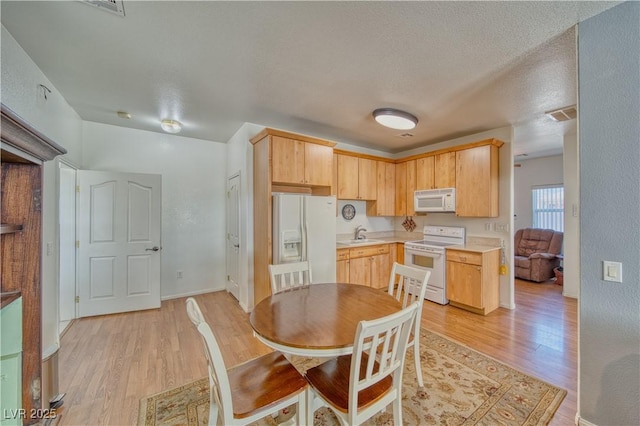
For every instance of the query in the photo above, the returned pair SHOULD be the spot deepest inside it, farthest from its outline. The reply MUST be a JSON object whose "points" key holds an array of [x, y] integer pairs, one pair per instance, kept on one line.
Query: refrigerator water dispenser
{"points": [[292, 246]]}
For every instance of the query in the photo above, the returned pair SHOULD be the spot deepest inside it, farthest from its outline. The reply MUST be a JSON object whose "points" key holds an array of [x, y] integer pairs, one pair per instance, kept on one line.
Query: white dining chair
{"points": [[261, 386], [359, 385], [285, 276], [411, 288]]}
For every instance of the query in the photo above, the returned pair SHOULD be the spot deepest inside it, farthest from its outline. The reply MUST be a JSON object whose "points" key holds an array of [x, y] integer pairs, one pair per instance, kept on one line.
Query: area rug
{"points": [[461, 387]]}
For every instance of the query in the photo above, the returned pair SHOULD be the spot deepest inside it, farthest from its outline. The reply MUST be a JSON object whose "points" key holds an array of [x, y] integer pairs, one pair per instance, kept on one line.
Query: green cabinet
{"points": [[11, 363]]}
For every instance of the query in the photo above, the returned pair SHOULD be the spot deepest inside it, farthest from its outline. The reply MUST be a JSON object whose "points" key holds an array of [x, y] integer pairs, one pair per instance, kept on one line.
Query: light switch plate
{"points": [[612, 271]]}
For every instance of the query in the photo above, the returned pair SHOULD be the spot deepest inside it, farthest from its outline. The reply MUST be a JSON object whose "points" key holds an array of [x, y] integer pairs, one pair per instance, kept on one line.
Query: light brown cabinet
{"points": [[473, 281], [436, 171], [342, 265], [296, 162], [369, 266], [405, 187], [384, 205], [477, 182], [445, 170], [357, 178], [283, 162], [24, 151]]}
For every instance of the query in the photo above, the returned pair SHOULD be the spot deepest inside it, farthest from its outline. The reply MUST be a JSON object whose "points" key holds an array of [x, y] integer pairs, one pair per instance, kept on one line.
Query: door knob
{"points": [[154, 248]]}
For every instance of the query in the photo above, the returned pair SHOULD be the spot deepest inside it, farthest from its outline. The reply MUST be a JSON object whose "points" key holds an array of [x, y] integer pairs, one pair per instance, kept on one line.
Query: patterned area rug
{"points": [[462, 387]]}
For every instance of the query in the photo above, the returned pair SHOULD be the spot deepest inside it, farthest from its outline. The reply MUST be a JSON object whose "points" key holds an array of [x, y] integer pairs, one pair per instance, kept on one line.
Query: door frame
{"points": [[242, 248], [70, 165]]}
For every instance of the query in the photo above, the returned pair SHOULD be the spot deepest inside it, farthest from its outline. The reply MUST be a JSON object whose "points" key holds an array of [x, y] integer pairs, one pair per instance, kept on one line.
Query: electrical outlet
{"points": [[179, 274], [502, 227]]}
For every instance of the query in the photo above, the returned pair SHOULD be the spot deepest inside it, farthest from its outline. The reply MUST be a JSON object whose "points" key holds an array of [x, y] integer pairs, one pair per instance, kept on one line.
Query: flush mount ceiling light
{"points": [[171, 126], [395, 118]]}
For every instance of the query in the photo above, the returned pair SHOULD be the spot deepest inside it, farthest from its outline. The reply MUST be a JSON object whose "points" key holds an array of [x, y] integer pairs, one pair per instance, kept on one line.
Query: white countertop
{"points": [[474, 247]]}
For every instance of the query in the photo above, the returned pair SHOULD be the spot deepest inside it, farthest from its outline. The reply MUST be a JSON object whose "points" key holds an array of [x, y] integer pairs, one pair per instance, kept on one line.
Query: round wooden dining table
{"points": [[318, 320]]}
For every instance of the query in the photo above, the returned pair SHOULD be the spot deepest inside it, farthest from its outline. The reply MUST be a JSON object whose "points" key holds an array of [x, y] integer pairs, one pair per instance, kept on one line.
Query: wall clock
{"points": [[348, 212]]}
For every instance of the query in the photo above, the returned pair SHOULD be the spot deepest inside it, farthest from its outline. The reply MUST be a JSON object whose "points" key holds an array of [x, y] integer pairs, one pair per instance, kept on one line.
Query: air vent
{"points": [[563, 114], [113, 6], [405, 135]]}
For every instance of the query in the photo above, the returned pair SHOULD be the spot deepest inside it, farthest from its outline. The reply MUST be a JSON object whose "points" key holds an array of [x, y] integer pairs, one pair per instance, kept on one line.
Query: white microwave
{"points": [[435, 200]]}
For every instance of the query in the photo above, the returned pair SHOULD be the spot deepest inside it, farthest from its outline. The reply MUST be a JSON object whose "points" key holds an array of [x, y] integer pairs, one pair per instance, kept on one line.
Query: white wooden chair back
{"points": [[384, 341], [219, 388], [412, 287], [286, 276]]}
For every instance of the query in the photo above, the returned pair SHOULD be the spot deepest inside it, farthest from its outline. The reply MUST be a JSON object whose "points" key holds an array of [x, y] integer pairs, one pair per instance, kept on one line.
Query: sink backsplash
{"points": [[483, 241]]}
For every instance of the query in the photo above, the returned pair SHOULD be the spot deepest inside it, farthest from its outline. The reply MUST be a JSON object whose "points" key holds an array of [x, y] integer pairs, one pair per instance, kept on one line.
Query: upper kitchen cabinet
{"points": [[296, 162], [436, 171], [477, 182], [357, 177], [405, 187], [386, 191]]}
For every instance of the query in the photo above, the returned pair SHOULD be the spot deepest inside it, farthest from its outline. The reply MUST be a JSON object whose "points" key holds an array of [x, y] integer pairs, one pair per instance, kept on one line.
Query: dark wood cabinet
{"points": [[24, 151]]}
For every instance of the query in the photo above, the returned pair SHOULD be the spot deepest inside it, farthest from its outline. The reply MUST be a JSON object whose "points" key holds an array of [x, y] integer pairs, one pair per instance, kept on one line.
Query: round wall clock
{"points": [[348, 212]]}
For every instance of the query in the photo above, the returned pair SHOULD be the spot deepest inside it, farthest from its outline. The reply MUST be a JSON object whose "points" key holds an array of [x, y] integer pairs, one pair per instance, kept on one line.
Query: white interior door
{"points": [[233, 235], [119, 242], [67, 232]]}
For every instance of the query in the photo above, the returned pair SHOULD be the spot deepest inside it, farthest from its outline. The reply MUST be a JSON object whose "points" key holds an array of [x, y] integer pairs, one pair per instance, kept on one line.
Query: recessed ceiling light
{"points": [[171, 126], [395, 119], [124, 114]]}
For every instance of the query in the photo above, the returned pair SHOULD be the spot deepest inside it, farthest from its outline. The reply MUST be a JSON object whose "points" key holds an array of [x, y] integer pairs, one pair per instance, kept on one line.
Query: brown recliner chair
{"points": [[535, 253]]}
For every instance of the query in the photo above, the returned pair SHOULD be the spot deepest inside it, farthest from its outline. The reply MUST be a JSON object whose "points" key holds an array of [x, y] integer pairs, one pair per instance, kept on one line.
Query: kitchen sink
{"points": [[358, 242]]}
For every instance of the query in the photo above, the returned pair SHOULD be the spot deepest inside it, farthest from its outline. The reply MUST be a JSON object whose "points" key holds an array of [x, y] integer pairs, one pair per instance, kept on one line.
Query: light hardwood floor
{"points": [[107, 363]]}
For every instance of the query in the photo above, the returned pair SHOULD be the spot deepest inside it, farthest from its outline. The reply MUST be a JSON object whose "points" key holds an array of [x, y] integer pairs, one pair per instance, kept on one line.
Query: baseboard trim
{"points": [[191, 293], [582, 422]]}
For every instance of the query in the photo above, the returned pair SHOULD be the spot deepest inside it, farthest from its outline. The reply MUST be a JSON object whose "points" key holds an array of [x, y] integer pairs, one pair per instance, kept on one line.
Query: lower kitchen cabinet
{"points": [[369, 265], [342, 265], [473, 282]]}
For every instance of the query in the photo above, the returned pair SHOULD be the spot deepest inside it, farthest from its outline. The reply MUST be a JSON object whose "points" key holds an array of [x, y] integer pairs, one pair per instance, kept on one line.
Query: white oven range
{"points": [[429, 254]]}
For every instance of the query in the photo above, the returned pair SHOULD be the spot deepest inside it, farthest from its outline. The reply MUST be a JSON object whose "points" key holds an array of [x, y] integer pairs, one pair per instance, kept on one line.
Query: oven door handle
{"points": [[433, 254]]}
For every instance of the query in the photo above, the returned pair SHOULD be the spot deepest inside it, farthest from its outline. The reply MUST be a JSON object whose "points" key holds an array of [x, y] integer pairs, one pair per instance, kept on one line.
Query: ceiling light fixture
{"points": [[171, 126], [395, 119]]}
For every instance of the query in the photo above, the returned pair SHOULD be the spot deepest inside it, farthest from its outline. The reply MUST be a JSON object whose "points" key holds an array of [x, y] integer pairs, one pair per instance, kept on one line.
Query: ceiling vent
{"points": [[563, 114], [113, 6]]}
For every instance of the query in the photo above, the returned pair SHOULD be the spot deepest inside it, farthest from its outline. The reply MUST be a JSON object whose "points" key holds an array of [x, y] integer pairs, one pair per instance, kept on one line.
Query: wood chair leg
{"points": [[416, 356]]}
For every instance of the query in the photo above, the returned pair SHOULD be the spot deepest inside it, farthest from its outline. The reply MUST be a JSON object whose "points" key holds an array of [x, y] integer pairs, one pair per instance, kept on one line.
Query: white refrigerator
{"points": [[304, 228]]}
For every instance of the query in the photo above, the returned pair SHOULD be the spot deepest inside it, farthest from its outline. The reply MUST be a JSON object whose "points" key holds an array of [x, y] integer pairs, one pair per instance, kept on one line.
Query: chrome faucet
{"points": [[359, 230]]}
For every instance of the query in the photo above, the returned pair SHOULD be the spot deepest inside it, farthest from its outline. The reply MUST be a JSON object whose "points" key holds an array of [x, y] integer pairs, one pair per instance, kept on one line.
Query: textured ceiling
{"points": [[318, 68]]}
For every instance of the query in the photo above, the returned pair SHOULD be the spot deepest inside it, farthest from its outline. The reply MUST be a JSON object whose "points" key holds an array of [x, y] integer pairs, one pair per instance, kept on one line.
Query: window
{"points": [[548, 207]]}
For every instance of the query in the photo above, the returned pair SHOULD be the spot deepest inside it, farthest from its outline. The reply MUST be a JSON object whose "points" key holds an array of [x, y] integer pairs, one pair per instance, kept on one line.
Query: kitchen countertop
{"points": [[379, 240], [474, 247]]}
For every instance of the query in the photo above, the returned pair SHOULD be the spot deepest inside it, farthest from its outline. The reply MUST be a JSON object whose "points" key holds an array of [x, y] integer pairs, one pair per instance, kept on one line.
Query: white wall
{"points": [[370, 223], [609, 129], [55, 119], [193, 198], [533, 172]]}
